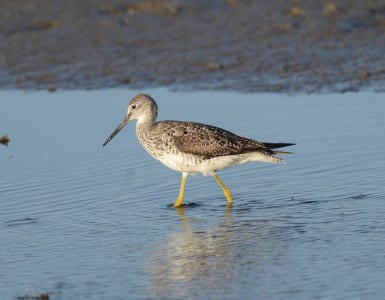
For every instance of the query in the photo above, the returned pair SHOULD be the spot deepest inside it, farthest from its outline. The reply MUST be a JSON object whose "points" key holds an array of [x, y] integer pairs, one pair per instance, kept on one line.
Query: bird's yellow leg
{"points": [[226, 191], [179, 201]]}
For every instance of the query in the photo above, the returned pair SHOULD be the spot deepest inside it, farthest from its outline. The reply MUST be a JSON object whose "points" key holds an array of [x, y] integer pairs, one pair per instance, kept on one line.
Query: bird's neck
{"points": [[143, 128], [145, 122]]}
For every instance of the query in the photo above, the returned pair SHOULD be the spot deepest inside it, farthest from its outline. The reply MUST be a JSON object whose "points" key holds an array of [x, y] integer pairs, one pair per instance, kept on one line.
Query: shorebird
{"points": [[190, 147]]}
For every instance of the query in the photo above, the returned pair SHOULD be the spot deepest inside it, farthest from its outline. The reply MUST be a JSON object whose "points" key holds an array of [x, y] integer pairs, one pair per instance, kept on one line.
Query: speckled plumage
{"points": [[191, 147]]}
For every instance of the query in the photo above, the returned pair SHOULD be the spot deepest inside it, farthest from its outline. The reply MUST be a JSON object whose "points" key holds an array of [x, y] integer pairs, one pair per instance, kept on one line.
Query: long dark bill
{"points": [[125, 121]]}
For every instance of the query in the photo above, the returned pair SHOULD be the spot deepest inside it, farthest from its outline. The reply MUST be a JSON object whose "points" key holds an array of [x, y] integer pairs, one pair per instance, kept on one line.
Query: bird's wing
{"points": [[208, 141]]}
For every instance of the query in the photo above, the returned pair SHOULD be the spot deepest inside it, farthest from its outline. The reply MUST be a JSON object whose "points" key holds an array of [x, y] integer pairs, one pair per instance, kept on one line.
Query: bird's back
{"points": [[205, 141]]}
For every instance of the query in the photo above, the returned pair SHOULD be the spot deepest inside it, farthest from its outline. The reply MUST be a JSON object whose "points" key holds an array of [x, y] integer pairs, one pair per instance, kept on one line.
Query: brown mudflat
{"points": [[280, 46]]}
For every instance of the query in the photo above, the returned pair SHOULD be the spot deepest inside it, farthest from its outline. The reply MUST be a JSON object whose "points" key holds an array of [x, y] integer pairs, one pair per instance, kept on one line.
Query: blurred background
{"points": [[280, 45]]}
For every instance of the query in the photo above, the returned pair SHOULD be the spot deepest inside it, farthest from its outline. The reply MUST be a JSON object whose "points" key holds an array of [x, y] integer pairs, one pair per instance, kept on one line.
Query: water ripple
{"points": [[92, 222]]}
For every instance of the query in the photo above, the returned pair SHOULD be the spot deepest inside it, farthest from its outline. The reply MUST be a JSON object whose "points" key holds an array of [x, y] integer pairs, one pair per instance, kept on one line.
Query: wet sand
{"points": [[248, 46]]}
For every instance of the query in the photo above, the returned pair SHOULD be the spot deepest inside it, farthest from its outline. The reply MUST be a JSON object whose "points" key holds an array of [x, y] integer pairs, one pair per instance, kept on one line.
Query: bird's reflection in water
{"points": [[201, 259]]}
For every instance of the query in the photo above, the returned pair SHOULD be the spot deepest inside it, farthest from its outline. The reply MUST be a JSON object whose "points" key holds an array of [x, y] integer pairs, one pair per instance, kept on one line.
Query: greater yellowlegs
{"points": [[190, 147]]}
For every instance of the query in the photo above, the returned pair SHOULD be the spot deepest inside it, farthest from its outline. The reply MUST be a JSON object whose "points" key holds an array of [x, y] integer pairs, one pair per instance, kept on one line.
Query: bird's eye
{"points": [[133, 106]]}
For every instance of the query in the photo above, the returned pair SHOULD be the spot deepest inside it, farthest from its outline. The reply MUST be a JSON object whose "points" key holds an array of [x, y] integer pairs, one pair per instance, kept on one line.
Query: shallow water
{"points": [[82, 221]]}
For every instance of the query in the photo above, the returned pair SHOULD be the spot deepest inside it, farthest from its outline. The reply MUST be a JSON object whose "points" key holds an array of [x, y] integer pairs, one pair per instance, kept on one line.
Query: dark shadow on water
{"points": [[359, 196], [309, 202], [23, 221], [185, 205], [246, 204], [295, 202], [240, 206]]}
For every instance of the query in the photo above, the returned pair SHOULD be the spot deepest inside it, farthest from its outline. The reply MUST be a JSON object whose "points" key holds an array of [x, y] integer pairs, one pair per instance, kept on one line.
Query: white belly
{"points": [[194, 164]]}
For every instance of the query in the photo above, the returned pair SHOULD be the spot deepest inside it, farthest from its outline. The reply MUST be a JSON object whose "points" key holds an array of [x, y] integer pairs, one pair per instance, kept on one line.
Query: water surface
{"points": [[82, 221]]}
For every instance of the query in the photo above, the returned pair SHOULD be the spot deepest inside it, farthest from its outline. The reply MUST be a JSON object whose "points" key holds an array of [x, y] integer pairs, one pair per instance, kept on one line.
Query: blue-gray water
{"points": [[82, 221]]}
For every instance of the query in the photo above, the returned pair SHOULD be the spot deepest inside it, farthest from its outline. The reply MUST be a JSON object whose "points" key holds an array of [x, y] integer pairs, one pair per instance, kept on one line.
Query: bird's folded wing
{"points": [[210, 141]]}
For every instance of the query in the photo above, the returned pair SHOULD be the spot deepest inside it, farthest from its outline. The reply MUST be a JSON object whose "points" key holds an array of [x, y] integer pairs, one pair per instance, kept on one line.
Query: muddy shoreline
{"points": [[265, 46]]}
